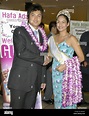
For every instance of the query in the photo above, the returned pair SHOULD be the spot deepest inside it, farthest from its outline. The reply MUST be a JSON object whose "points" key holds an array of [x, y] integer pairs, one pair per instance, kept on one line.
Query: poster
{"points": [[78, 27], [9, 20]]}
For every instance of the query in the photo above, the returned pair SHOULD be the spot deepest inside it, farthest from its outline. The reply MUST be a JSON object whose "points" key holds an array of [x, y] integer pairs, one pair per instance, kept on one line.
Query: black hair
{"points": [[27, 5], [67, 19], [52, 24], [34, 7]]}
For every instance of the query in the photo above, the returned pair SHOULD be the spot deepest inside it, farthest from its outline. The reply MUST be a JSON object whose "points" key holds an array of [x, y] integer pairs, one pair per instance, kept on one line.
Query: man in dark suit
{"points": [[27, 72], [84, 42], [48, 92]]}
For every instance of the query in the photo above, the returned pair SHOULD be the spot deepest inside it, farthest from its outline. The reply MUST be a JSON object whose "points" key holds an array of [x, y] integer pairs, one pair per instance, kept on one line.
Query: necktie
{"points": [[36, 34]]}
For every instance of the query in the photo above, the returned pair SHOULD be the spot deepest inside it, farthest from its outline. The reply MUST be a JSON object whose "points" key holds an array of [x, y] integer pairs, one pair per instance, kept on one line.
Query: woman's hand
{"points": [[61, 68]]}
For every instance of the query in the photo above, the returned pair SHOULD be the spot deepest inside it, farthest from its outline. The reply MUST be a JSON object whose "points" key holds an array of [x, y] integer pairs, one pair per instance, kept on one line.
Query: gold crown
{"points": [[64, 12]]}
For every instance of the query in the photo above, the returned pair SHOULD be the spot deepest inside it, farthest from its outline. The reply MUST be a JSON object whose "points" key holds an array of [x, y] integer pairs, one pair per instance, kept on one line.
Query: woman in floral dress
{"points": [[67, 44]]}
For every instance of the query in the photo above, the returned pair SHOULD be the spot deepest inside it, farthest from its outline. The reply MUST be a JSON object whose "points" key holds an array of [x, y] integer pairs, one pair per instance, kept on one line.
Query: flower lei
{"points": [[41, 47], [72, 85]]}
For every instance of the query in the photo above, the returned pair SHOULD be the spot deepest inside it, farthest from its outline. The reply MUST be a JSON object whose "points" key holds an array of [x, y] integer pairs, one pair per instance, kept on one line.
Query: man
{"points": [[84, 42], [48, 92], [27, 72]]}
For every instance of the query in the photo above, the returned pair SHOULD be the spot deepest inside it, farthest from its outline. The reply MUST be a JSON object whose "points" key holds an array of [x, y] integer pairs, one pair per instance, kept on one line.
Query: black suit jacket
{"points": [[50, 64], [27, 62], [84, 42]]}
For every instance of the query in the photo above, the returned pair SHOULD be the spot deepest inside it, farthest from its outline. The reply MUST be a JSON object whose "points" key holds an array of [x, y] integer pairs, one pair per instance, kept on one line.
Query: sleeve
{"points": [[21, 50], [44, 74], [83, 44]]}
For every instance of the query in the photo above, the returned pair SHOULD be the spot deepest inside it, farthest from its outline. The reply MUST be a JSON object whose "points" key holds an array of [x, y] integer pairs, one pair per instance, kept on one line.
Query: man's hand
{"points": [[48, 59], [43, 85]]}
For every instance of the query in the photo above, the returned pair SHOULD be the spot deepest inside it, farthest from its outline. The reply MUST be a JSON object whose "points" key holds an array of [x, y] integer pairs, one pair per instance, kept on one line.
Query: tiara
{"points": [[64, 12]]}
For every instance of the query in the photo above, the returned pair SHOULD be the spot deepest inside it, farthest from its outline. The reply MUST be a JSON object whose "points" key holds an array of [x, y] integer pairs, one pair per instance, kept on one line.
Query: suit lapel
{"points": [[40, 37]]}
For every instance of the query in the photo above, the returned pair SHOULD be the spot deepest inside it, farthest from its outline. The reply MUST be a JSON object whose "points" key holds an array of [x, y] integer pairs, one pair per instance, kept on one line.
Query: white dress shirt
{"points": [[36, 33]]}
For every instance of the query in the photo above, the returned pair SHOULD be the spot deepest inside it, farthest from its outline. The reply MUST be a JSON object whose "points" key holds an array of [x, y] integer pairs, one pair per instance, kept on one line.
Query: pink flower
{"points": [[72, 85], [41, 47]]}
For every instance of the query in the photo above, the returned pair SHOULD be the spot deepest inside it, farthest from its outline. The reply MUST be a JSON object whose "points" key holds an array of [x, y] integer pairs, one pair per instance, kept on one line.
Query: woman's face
{"points": [[62, 23], [35, 18]]}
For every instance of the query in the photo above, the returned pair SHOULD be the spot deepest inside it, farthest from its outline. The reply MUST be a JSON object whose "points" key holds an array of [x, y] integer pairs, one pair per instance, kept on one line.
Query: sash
{"points": [[55, 52]]}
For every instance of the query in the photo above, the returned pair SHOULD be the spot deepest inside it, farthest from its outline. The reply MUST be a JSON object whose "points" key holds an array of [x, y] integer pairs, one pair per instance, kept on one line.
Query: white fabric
{"points": [[38, 104], [55, 52], [35, 32]]}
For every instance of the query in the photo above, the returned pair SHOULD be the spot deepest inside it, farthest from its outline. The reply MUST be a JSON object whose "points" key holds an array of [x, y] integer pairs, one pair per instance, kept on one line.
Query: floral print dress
{"points": [[57, 77]]}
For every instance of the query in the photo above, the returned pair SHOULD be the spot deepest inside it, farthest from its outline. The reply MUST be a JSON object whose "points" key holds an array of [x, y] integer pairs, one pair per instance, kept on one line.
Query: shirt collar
{"points": [[33, 29]]}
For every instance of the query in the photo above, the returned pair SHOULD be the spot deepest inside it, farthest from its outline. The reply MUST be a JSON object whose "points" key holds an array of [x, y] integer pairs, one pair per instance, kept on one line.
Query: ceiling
{"points": [[77, 8]]}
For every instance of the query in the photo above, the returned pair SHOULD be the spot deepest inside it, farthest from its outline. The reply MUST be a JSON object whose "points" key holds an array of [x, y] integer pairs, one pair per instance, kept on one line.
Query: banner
{"points": [[78, 27], [9, 20]]}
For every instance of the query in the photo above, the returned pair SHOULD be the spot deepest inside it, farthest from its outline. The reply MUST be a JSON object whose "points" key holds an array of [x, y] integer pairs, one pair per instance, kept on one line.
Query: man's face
{"points": [[35, 18]]}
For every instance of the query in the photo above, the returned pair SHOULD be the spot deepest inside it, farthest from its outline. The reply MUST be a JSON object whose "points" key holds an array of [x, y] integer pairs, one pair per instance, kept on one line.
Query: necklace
{"points": [[41, 47]]}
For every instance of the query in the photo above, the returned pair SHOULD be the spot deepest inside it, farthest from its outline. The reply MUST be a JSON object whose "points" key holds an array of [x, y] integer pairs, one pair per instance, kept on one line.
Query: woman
{"points": [[61, 48]]}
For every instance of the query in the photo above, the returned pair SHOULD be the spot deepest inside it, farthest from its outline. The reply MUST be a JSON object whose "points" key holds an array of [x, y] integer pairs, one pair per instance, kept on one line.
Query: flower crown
{"points": [[64, 12]]}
